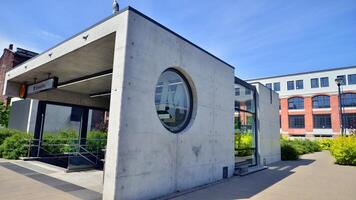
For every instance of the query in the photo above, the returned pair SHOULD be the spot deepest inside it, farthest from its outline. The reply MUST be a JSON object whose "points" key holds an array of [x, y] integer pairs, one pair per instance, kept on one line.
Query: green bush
{"points": [[96, 141], [288, 151], [243, 144], [15, 146], [325, 144], [63, 141], [298, 147], [344, 150], [6, 132]]}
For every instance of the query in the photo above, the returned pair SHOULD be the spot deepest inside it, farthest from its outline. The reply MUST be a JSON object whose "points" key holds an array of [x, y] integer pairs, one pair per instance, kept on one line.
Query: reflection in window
{"points": [[324, 82], [352, 79], [349, 120], [296, 121], [245, 127], [321, 101], [314, 82], [173, 100], [296, 103], [322, 121], [348, 100]]}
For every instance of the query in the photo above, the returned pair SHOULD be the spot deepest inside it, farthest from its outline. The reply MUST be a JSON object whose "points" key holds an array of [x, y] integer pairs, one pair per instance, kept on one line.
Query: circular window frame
{"points": [[191, 101]]}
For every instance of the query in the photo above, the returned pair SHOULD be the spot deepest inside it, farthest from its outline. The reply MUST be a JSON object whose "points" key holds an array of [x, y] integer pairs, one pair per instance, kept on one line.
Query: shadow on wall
{"points": [[250, 185]]}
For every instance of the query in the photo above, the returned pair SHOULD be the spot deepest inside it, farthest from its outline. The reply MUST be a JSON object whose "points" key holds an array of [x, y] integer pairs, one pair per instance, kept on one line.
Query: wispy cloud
{"points": [[44, 34]]}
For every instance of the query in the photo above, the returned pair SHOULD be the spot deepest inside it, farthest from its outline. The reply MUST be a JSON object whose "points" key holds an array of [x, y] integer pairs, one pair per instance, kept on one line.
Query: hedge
{"points": [[15, 146], [344, 150], [292, 149]]}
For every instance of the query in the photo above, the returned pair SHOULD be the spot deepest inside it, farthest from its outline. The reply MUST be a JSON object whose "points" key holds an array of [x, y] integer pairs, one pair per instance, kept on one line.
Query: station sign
{"points": [[35, 88]]}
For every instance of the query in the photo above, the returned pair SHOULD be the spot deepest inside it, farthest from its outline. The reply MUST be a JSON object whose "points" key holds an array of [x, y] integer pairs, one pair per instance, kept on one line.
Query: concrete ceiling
{"points": [[90, 59]]}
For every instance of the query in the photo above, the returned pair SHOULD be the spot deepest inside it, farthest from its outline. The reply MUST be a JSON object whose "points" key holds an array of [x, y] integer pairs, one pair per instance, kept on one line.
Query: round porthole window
{"points": [[173, 99]]}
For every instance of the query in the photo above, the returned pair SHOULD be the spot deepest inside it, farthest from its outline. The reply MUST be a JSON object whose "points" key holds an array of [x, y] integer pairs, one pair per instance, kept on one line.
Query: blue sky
{"points": [[260, 38]]}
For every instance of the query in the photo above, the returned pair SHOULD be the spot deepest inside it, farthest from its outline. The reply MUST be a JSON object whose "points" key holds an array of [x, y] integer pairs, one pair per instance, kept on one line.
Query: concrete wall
{"points": [[268, 125], [145, 160], [23, 115]]}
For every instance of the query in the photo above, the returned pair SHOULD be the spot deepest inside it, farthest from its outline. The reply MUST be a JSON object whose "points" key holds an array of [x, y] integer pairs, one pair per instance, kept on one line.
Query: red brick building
{"points": [[9, 60], [309, 102]]}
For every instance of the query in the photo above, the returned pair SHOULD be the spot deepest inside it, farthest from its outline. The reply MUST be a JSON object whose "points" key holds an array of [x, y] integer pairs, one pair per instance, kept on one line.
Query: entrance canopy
{"points": [[83, 65]]}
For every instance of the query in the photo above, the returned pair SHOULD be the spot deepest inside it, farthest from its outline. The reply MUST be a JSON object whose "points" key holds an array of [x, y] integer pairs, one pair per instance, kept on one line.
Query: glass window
{"points": [[321, 102], [173, 100], [296, 121], [296, 103], [324, 82], [348, 100], [299, 84], [237, 91], [322, 121], [247, 91], [277, 86], [352, 79], [349, 120], [290, 85], [342, 78], [269, 85], [314, 83]]}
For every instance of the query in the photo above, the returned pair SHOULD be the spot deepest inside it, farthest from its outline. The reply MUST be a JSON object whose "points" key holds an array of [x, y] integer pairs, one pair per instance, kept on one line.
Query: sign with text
{"points": [[42, 86]]}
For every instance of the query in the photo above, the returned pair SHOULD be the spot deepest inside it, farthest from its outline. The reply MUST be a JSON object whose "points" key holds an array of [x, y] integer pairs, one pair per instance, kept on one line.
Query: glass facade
{"points": [[296, 103], [173, 100], [321, 101], [245, 127]]}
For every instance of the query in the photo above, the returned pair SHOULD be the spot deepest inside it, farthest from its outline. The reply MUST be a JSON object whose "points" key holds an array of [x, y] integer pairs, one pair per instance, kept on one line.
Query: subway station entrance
{"points": [[70, 136]]}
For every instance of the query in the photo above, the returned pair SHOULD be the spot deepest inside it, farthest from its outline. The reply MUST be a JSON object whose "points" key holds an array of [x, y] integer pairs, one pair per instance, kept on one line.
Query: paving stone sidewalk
{"points": [[314, 177]]}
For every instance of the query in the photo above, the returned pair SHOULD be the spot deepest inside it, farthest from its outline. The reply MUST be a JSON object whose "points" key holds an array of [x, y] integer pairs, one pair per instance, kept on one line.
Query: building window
{"points": [[173, 99], [324, 82], [322, 121], [76, 114], [314, 83], [348, 100], [321, 101], [277, 86], [290, 85], [247, 91], [296, 103], [269, 85], [296, 121], [352, 79], [237, 105], [299, 84], [349, 120], [342, 78], [237, 91]]}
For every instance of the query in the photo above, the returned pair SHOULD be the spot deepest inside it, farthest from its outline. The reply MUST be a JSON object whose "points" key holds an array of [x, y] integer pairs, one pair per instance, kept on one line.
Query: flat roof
{"points": [[301, 73], [142, 15]]}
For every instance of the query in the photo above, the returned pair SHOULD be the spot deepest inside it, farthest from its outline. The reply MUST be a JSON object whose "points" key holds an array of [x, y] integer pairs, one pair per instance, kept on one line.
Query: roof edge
{"points": [[301, 73]]}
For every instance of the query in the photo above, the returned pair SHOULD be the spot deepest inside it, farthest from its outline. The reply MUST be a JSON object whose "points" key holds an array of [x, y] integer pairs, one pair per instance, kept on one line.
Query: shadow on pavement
{"points": [[250, 185]]}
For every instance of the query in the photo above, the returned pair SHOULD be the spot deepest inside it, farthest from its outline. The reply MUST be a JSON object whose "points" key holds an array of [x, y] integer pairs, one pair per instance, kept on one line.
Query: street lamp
{"points": [[338, 82]]}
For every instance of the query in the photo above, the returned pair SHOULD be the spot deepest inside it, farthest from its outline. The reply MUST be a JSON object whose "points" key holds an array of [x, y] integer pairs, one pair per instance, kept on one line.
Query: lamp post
{"points": [[338, 82]]}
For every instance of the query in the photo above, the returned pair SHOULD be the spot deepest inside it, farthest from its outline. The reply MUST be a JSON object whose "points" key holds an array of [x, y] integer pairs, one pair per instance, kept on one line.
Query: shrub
{"points": [[63, 141], [288, 151], [243, 144], [4, 114], [298, 147], [96, 141], [15, 146], [325, 144], [344, 150], [6, 132]]}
